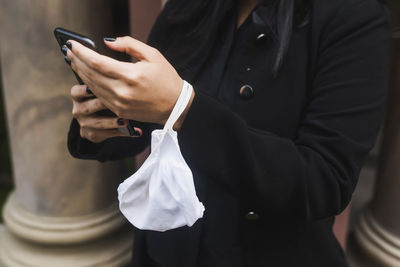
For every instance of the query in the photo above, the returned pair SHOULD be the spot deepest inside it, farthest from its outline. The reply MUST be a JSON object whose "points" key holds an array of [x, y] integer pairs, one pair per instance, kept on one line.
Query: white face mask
{"points": [[161, 195]]}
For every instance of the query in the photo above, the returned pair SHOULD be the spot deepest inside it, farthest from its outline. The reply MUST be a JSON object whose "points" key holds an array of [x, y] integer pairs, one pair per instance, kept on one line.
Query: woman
{"points": [[289, 96]]}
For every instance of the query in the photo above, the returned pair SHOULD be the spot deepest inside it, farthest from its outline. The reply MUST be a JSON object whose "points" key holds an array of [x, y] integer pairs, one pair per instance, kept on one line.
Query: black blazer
{"points": [[274, 162]]}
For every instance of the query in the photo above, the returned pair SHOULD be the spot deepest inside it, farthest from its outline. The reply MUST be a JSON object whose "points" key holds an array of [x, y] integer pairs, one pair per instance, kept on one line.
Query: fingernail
{"points": [[64, 50], [69, 45], [121, 121], [136, 133], [89, 91], [67, 60], [109, 39]]}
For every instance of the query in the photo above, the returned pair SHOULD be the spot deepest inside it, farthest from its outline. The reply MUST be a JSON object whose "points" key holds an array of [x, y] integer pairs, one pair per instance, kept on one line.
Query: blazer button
{"points": [[246, 92], [261, 38], [251, 216]]}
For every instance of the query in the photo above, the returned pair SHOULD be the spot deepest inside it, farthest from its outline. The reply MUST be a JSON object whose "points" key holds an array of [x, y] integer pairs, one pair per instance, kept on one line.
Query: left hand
{"points": [[144, 91]]}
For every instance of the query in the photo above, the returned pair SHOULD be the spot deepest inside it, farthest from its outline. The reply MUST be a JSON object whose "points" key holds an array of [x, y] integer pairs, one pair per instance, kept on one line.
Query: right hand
{"points": [[94, 128]]}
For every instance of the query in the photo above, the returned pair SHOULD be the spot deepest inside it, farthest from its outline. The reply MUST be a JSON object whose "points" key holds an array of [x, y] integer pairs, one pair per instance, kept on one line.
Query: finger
{"points": [[102, 123], [99, 63], [87, 107], [101, 93], [133, 47], [101, 85], [80, 92], [87, 74], [97, 83]]}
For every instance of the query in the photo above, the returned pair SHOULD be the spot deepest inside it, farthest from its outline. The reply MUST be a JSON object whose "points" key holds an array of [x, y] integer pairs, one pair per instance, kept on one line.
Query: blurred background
{"points": [[59, 211]]}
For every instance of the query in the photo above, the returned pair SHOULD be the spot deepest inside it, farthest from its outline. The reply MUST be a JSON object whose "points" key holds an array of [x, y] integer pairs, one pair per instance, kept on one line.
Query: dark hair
{"points": [[199, 22]]}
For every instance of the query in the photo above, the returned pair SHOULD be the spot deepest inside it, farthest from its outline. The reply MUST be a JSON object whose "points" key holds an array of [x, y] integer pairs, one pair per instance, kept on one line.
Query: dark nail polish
{"points": [[120, 121], [67, 60], [136, 133], [64, 50], [109, 39], [69, 45], [89, 91]]}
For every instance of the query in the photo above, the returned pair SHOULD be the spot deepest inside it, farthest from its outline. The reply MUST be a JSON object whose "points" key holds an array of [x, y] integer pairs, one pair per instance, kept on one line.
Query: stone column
{"points": [[63, 211], [376, 237]]}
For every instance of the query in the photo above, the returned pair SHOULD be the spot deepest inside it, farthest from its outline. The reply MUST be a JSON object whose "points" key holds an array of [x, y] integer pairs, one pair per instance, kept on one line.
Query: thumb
{"points": [[132, 47]]}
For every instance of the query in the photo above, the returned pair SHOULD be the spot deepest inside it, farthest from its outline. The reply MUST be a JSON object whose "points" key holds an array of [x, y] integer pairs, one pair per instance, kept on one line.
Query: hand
{"points": [[95, 128], [144, 91]]}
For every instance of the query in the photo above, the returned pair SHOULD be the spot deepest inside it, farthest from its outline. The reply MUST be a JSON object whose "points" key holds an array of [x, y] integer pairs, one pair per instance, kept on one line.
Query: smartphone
{"points": [[62, 36]]}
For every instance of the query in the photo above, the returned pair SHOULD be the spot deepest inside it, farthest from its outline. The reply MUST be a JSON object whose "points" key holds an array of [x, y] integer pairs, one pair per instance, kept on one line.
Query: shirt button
{"points": [[246, 92], [252, 216]]}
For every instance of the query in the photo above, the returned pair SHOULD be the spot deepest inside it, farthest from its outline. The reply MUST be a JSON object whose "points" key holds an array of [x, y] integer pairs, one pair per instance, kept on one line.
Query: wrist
{"points": [[178, 124]]}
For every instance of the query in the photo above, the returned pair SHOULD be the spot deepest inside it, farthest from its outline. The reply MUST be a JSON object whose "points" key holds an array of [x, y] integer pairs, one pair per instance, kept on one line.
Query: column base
{"points": [[372, 245], [100, 239], [111, 252]]}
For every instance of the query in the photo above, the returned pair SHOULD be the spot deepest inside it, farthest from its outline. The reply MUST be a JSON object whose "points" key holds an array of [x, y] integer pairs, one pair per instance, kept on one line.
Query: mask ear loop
{"points": [[180, 105]]}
